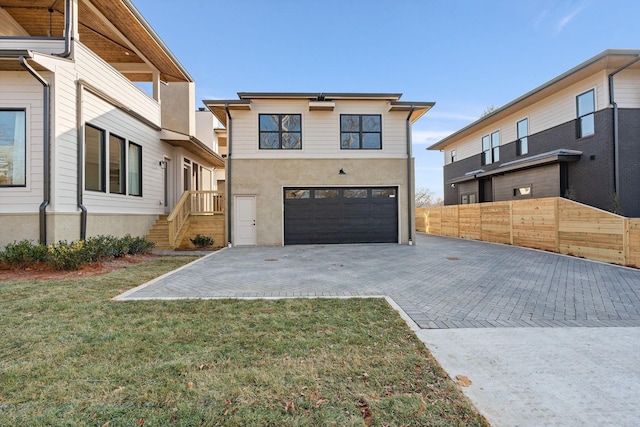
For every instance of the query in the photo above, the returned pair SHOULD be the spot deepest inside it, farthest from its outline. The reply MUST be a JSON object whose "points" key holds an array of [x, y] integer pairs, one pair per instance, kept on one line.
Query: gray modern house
{"points": [[576, 136]]}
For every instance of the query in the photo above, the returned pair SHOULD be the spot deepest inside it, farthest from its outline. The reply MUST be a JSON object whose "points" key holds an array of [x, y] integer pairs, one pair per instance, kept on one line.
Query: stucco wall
{"points": [[266, 179]]}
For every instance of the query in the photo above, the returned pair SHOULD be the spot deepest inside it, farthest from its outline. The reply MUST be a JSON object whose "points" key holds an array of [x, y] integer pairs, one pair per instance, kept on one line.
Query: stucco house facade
{"points": [[317, 168], [576, 136], [98, 126]]}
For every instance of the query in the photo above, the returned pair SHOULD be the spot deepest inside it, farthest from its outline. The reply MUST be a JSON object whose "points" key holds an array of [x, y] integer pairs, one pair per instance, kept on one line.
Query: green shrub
{"points": [[71, 256], [201, 241], [67, 256], [23, 253]]}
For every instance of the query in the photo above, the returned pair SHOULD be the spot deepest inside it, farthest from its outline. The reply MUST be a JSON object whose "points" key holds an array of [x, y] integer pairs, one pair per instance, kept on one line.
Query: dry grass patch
{"points": [[71, 356]]}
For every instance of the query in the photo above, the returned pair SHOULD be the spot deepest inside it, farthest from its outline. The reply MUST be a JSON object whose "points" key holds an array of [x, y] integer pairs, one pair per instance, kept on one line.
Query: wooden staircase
{"points": [[159, 234]]}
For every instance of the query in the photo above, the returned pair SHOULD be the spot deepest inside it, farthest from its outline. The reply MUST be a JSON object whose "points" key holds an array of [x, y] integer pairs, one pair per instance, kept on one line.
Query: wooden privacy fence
{"points": [[552, 224]]}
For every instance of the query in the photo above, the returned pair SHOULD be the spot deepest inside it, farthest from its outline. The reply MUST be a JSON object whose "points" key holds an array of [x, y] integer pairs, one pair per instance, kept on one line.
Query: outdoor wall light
{"points": [[453, 186], [342, 172], [162, 164]]}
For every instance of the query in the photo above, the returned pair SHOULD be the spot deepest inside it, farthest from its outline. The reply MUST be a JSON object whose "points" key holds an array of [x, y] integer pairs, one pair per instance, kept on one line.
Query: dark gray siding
{"points": [[629, 142], [544, 181], [591, 178]]}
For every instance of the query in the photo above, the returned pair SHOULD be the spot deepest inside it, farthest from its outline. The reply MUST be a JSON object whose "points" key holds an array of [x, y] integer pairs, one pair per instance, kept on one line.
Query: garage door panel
{"points": [[339, 215]]}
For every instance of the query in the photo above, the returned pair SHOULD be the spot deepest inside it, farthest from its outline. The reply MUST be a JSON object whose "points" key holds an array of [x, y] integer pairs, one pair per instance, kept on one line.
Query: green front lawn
{"points": [[71, 356]]}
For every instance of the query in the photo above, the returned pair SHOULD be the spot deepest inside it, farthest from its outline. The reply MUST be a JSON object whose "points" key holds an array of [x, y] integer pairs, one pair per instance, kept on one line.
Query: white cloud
{"points": [[429, 137], [567, 19]]}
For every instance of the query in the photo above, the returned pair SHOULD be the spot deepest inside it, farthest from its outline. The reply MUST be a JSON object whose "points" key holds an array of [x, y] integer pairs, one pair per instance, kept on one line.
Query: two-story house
{"points": [[97, 122], [576, 136], [316, 168]]}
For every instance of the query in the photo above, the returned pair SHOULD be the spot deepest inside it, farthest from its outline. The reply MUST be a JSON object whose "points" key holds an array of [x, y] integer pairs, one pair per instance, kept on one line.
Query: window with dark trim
{"points": [[522, 145], [453, 156], [280, 131], [491, 148], [94, 159], [524, 191], [13, 148], [360, 132], [117, 177], [468, 198], [135, 169], [586, 107]]}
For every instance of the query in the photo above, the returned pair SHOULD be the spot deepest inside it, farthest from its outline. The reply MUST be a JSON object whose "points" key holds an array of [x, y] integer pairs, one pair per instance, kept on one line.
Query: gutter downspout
{"points": [[409, 177], [80, 134], [228, 167], [67, 30], [46, 149], [616, 137]]}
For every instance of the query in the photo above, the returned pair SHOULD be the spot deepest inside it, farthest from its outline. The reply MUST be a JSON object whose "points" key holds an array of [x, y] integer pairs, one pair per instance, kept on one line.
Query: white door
{"points": [[245, 221]]}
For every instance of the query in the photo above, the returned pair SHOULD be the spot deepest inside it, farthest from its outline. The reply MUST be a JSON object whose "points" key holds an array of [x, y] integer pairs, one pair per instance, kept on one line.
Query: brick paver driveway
{"points": [[440, 282]]}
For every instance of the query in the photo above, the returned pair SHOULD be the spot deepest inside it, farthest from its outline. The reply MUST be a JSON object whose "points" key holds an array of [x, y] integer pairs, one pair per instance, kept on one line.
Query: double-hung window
{"points": [[360, 131], [280, 131], [586, 106], [13, 148], [522, 145], [491, 148], [453, 156]]}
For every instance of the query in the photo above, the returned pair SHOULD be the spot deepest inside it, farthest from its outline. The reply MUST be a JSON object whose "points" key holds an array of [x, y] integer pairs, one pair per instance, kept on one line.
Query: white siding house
{"points": [[84, 150]]}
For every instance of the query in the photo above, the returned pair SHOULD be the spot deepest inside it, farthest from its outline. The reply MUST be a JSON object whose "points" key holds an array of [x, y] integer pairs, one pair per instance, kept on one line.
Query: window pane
{"points": [[291, 123], [116, 165], [297, 194], [326, 194], [350, 141], [94, 159], [269, 122], [371, 140], [586, 103], [349, 123], [523, 145], [269, 140], [522, 191], [291, 141], [13, 148], [496, 154], [383, 192], [355, 193], [135, 170], [523, 128], [485, 143], [587, 126], [371, 123], [495, 139]]}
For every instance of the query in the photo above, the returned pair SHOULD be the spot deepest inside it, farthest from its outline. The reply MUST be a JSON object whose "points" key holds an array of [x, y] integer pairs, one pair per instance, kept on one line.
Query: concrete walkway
{"points": [[546, 339]]}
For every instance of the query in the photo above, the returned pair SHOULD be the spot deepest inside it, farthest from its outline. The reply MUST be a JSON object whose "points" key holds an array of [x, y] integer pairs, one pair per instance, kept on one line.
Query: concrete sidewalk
{"points": [[546, 339]]}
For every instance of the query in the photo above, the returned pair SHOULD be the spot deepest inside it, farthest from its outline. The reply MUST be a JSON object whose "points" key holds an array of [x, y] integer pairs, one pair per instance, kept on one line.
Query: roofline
{"points": [[319, 96], [156, 38], [609, 52]]}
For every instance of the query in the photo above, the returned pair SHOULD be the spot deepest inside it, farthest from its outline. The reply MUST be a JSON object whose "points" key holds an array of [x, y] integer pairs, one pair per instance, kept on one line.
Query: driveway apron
{"points": [[546, 339]]}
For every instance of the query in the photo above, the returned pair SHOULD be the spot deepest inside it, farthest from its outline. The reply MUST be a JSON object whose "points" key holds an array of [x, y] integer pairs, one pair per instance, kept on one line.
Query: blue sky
{"points": [[465, 55]]}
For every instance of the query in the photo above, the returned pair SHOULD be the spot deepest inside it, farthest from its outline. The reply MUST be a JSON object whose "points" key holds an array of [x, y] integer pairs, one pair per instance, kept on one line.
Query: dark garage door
{"points": [[340, 215]]}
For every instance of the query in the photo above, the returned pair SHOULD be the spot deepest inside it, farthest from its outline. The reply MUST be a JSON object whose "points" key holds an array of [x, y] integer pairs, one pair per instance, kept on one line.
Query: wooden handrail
{"points": [[193, 203]]}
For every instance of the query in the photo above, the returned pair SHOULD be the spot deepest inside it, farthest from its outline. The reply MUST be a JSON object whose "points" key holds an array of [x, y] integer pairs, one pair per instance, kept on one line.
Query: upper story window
{"points": [[586, 107], [280, 131], [135, 169], [13, 148], [491, 148], [522, 145], [360, 131], [453, 156]]}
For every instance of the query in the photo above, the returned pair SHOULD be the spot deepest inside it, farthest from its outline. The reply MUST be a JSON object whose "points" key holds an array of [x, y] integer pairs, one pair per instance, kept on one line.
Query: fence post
{"points": [[556, 224], [511, 222], [625, 241]]}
